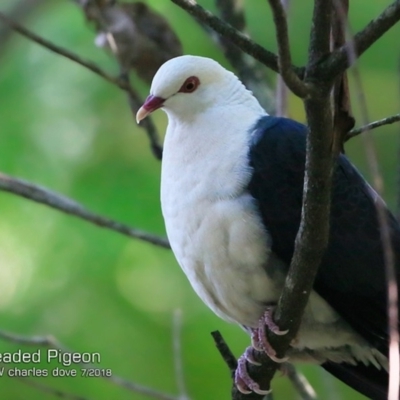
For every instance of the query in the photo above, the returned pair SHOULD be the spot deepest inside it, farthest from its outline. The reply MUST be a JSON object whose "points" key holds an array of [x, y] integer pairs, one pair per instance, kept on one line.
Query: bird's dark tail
{"points": [[367, 380]]}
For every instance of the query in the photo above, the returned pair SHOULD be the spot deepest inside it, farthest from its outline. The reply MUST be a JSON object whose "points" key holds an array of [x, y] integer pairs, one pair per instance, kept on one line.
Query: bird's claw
{"points": [[243, 381], [249, 356], [259, 342], [268, 349], [259, 339], [268, 320]]}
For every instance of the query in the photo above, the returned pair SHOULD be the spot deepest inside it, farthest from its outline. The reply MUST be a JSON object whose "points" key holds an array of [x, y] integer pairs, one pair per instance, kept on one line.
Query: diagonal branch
{"points": [[52, 199], [300, 383], [340, 60], [225, 351], [49, 390], [373, 125], [52, 343], [239, 39], [251, 72], [20, 10], [123, 84], [292, 80]]}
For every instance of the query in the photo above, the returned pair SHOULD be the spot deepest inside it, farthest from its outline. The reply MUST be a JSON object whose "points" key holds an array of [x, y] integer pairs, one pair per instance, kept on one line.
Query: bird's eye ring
{"points": [[190, 85]]}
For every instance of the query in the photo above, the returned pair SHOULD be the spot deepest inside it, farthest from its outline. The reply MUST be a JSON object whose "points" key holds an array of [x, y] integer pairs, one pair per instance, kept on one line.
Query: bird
{"points": [[231, 197], [140, 38]]}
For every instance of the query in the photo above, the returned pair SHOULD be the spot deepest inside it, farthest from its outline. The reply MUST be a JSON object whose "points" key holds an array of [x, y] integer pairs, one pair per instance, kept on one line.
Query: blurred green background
{"points": [[95, 290]]}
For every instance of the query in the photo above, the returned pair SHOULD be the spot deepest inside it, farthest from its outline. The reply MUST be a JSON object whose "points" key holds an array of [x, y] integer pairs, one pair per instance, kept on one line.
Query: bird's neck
{"points": [[207, 153]]}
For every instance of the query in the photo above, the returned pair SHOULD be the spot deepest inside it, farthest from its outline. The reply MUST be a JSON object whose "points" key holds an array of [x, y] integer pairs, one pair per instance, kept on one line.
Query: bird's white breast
{"points": [[212, 222]]}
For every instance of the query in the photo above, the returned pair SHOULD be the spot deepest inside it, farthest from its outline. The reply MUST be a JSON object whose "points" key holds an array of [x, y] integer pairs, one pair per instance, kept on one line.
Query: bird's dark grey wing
{"points": [[366, 379], [351, 277]]}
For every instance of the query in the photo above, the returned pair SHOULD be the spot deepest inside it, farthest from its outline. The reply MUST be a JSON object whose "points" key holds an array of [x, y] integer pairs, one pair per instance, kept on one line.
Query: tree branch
{"points": [[312, 237], [343, 120], [53, 343], [52, 199], [239, 39], [339, 61], [388, 251], [49, 390], [42, 341], [20, 10], [135, 102], [320, 33], [177, 346], [282, 91], [250, 71], [225, 351], [300, 383], [292, 80], [373, 125], [123, 84]]}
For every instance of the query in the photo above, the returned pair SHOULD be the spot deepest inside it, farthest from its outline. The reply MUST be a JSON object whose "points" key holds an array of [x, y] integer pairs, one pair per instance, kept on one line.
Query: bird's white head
{"points": [[188, 85]]}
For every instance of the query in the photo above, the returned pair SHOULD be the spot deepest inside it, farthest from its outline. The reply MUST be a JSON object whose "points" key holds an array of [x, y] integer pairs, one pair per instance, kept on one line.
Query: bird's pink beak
{"points": [[151, 104]]}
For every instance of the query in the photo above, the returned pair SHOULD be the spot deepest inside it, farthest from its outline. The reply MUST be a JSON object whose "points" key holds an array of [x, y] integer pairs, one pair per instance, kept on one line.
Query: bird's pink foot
{"points": [[259, 335], [269, 350], [268, 320], [243, 380], [259, 342]]}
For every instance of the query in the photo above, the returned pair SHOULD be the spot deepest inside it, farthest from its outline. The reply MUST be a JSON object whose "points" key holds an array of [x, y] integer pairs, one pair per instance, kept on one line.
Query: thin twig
{"points": [[300, 383], [231, 362], [134, 387], [122, 83], [225, 351], [398, 155], [44, 341], [373, 125], [388, 252], [261, 54], [20, 10], [251, 72], [49, 390], [178, 361], [282, 91], [135, 102], [343, 120], [339, 60], [43, 195], [294, 83], [51, 342]]}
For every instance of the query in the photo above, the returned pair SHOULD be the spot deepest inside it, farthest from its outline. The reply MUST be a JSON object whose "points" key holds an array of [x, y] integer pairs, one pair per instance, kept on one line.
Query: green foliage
{"points": [[96, 291]]}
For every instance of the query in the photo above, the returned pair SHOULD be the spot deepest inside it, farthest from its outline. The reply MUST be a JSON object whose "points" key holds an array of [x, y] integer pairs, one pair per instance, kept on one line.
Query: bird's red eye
{"points": [[190, 85]]}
